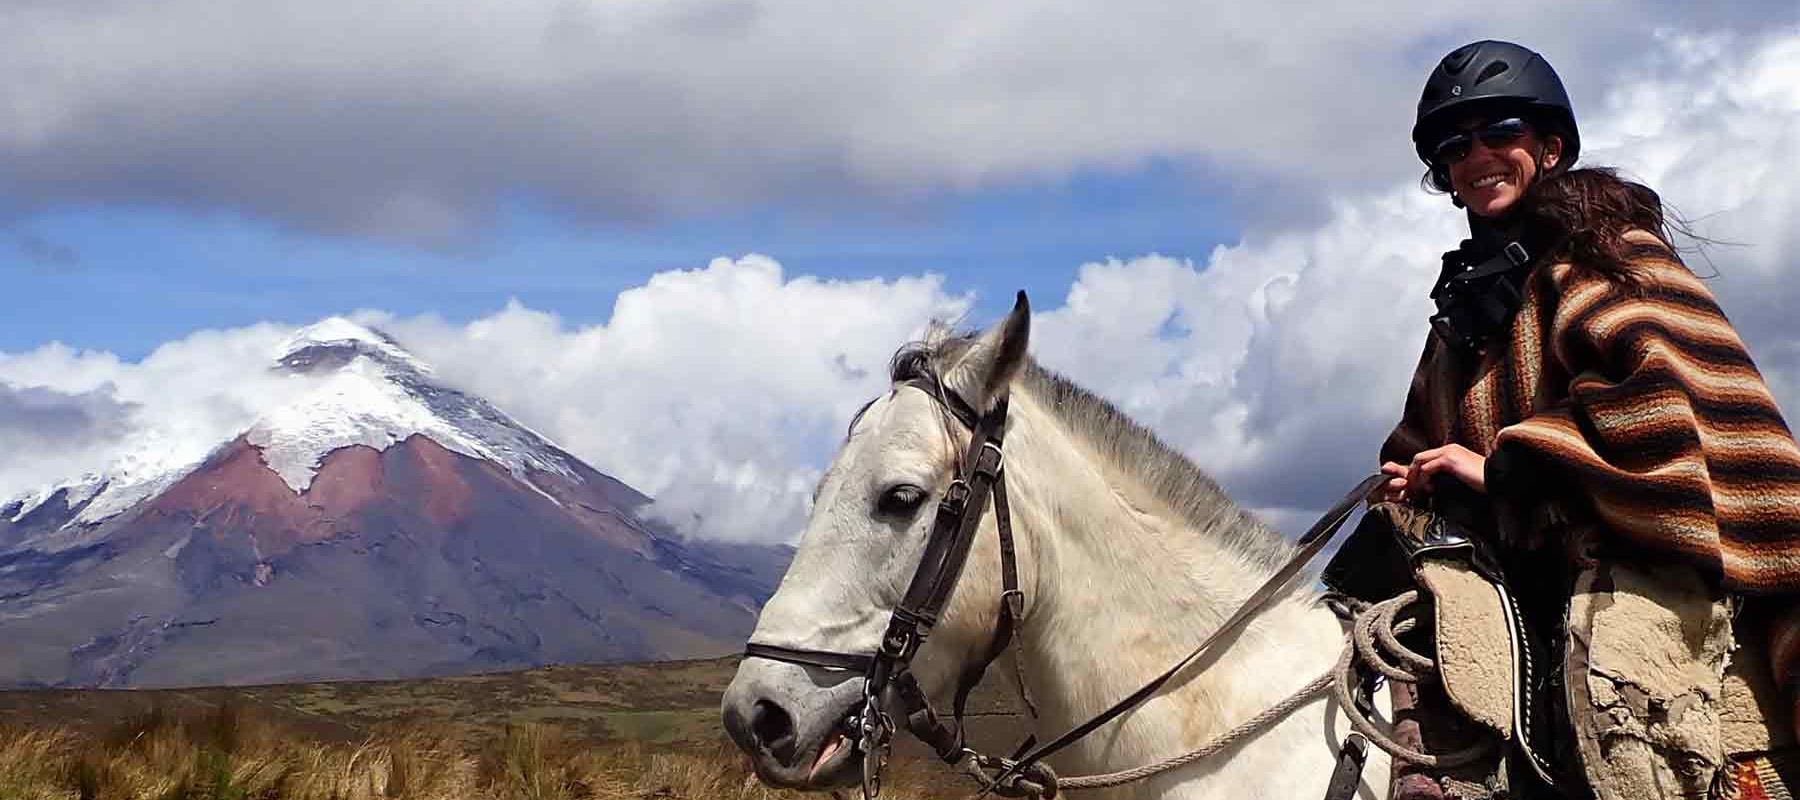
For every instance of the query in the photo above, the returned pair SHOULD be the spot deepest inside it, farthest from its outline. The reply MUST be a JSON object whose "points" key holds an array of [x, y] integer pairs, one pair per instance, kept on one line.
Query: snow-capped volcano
{"points": [[351, 385], [366, 390], [370, 521]]}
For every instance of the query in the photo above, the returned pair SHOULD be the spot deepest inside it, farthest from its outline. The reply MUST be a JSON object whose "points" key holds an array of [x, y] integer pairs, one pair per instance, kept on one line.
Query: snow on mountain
{"points": [[351, 386], [75, 493]]}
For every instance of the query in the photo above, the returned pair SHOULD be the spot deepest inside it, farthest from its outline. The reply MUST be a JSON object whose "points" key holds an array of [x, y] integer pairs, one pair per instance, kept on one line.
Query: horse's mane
{"points": [[1128, 445]]}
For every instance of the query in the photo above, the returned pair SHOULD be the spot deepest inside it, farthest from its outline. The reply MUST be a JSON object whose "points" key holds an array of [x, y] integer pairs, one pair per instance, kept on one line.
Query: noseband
{"points": [[953, 531], [952, 534]]}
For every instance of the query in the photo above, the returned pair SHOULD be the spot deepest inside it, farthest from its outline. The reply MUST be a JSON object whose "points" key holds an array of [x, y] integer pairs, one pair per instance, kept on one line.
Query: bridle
{"points": [[953, 531]]}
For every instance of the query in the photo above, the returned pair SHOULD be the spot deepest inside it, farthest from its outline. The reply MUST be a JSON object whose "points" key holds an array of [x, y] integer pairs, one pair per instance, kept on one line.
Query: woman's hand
{"points": [[1406, 481], [1451, 459], [1394, 491]]}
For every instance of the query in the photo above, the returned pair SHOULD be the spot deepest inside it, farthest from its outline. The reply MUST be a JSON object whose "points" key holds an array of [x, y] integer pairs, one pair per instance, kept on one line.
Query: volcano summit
{"points": [[373, 522]]}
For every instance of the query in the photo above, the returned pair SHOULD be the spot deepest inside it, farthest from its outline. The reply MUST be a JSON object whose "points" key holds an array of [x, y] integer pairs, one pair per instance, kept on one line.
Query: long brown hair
{"points": [[1587, 212]]}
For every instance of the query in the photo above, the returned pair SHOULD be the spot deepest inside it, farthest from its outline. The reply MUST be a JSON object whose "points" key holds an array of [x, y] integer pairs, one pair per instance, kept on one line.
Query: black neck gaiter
{"points": [[1482, 281]]}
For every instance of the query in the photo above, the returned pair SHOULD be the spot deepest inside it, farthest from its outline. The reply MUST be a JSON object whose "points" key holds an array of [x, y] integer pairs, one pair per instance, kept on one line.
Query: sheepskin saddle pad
{"points": [[1474, 629]]}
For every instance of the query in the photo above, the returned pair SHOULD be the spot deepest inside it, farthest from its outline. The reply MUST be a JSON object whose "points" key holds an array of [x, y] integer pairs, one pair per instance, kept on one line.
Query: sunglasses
{"points": [[1455, 147]]}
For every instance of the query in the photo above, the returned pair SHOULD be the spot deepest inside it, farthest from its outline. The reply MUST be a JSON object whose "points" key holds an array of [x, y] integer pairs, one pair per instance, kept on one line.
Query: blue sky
{"points": [[127, 279], [1215, 209]]}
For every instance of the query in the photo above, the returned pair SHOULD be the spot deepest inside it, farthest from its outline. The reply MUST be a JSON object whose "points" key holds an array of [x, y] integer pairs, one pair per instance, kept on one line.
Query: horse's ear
{"points": [[985, 372]]}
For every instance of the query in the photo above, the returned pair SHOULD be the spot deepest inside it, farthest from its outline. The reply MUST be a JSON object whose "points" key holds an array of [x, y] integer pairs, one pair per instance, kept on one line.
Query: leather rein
{"points": [[953, 531]]}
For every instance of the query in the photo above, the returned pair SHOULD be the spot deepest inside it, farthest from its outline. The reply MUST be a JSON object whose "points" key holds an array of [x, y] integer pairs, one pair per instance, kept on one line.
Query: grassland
{"points": [[558, 733]]}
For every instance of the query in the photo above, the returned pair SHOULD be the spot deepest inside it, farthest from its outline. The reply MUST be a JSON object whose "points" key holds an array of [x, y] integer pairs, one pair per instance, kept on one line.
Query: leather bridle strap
{"points": [[953, 530], [940, 569], [1309, 546], [811, 658], [953, 534], [1009, 618]]}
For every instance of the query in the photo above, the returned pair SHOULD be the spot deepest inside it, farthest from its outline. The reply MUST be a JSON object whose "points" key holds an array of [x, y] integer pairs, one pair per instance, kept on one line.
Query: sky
{"points": [[682, 238]]}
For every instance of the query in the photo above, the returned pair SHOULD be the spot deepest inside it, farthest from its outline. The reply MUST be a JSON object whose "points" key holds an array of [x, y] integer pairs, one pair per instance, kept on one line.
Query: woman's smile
{"points": [[1490, 180]]}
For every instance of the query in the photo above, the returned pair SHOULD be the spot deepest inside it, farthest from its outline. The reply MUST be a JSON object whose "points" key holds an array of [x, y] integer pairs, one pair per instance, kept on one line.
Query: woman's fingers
{"points": [[1462, 463], [1416, 475], [1394, 490]]}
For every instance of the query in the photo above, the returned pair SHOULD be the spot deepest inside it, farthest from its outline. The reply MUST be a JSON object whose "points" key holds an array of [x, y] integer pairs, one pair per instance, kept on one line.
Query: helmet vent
{"points": [[1460, 58], [1492, 71]]}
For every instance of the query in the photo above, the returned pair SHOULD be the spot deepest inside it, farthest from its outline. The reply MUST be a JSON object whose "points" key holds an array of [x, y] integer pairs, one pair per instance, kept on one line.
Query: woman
{"points": [[1584, 394]]}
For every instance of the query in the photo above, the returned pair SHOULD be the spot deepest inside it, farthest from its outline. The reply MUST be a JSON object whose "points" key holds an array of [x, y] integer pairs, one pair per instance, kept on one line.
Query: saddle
{"points": [[1485, 660], [1655, 697]]}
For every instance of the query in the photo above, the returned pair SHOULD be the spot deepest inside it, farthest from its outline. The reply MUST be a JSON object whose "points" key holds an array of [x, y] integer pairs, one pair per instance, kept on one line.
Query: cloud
{"points": [[719, 391], [1279, 363], [38, 416], [419, 122], [65, 412]]}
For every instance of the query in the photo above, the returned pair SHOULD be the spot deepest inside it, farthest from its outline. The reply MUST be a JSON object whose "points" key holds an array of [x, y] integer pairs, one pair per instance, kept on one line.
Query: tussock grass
{"points": [[228, 754]]}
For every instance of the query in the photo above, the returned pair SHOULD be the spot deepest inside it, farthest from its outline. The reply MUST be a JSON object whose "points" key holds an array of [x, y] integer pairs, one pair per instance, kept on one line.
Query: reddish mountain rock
{"points": [[458, 547]]}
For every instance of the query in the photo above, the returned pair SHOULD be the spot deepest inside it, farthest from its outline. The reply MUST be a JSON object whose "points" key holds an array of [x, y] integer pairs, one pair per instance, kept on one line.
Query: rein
{"points": [[952, 535]]}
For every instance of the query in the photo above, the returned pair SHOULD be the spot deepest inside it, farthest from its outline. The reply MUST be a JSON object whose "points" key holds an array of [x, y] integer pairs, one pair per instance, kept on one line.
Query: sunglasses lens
{"points": [[1502, 132], [1455, 147], [1452, 149]]}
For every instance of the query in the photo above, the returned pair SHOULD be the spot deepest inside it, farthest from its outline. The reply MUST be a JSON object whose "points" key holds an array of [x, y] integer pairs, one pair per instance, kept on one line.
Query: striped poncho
{"points": [[1644, 402]]}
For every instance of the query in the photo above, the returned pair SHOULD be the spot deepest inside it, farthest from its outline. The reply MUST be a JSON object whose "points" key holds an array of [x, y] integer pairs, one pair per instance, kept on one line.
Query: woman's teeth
{"points": [[1488, 180]]}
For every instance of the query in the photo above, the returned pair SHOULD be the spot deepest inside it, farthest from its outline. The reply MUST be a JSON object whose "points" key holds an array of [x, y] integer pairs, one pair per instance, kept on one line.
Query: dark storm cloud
{"points": [[420, 122], [35, 418]]}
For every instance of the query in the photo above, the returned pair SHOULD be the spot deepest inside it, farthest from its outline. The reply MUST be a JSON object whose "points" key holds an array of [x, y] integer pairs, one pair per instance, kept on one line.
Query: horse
{"points": [[1126, 555]]}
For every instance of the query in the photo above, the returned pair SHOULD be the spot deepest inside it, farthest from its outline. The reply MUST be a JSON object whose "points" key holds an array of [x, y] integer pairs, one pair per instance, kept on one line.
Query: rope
{"points": [[1374, 631], [1374, 639], [1381, 623], [1230, 738]]}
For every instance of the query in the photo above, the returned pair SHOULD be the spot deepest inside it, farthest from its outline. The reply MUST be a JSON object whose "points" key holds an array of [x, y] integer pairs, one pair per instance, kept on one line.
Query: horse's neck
{"points": [[1124, 589]]}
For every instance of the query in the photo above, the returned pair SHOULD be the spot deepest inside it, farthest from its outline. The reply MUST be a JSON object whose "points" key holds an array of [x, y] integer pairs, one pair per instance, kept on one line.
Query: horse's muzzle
{"points": [[790, 721]]}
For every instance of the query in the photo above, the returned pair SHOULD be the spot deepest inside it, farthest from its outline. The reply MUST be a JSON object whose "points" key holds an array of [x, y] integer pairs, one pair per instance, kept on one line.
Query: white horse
{"points": [[1128, 556]]}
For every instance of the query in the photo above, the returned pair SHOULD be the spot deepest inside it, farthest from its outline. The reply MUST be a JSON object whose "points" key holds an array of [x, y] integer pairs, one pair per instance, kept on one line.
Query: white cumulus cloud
{"points": [[164, 412], [1279, 363], [718, 390]]}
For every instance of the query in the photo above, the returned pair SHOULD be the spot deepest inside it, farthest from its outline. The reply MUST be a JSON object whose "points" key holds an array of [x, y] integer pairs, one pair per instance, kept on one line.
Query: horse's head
{"points": [[871, 518]]}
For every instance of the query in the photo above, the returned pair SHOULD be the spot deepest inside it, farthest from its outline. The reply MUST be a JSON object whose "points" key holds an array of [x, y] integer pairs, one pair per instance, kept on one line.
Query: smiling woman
{"points": [[1584, 408]]}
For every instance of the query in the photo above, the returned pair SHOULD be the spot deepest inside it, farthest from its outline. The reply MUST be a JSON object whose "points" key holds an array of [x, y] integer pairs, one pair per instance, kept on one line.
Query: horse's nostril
{"points": [[773, 729]]}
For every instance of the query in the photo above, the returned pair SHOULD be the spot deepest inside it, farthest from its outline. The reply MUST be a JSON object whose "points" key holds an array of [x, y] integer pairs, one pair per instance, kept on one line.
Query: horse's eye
{"points": [[901, 500]]}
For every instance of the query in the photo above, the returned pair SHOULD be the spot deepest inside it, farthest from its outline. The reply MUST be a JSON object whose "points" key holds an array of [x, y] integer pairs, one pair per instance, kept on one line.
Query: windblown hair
{"points": [[1587, 212], [1128, 446]]}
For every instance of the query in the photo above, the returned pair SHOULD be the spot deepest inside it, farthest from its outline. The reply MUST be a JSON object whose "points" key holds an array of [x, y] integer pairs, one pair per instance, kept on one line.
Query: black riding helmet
{"points": [[1499, 77]]}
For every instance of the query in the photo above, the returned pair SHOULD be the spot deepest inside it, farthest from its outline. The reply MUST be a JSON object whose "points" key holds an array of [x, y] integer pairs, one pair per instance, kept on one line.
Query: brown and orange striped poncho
{"points": [[1643, 403], [1646, 400]]}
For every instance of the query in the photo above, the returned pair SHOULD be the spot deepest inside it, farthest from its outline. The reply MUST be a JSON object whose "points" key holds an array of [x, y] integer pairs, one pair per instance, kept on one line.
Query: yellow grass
{"points": [[227, 755]]}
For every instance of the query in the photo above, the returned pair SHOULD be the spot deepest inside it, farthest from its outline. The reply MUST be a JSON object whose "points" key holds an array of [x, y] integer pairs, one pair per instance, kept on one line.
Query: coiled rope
{"points": [[1374, 639]]}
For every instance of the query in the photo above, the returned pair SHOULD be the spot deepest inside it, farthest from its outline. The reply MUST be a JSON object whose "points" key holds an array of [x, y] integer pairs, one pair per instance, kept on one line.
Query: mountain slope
{"points": [[374, 524]]}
